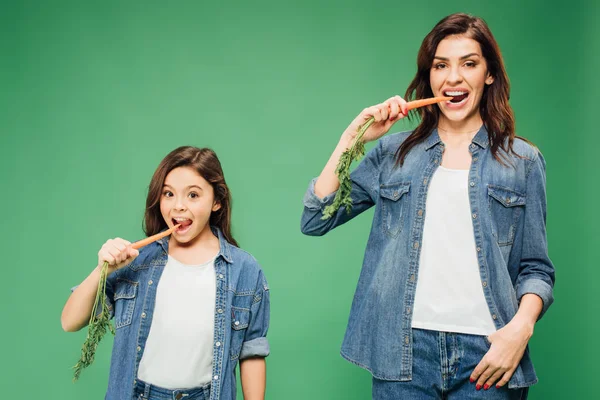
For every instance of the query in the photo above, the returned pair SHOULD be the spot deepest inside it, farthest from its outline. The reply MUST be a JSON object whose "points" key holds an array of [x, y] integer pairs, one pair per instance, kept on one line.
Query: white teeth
{"points": [[455, 93], [181, 219]]}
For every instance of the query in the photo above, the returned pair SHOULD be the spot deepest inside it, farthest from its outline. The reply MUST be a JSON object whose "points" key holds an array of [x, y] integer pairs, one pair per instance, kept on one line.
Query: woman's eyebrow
{"points": [[462, 58]]}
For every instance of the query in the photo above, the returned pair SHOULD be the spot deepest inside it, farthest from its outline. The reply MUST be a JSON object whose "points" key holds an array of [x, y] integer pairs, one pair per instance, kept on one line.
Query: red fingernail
{"points": [[478, 386], [471, 380], [497, 386], [486, 386]]}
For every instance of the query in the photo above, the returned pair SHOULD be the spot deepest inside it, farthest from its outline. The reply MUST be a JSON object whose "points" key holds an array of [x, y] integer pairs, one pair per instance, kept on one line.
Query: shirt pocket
{"points": [[240, 318], [393, 199], [125, 295], [505, 207]]}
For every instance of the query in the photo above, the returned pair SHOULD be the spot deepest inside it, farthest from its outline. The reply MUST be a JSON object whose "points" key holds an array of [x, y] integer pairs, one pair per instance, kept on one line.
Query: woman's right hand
{"points": [[386, 114], [118, 253]]}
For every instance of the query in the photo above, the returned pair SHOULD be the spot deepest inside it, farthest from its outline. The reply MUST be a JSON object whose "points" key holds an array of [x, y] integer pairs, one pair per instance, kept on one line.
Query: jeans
{"points": [[442, 365], [145, 391]]}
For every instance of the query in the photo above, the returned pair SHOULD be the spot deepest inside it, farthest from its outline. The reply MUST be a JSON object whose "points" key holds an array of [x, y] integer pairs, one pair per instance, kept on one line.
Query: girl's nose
{"points": [[179, 206]]}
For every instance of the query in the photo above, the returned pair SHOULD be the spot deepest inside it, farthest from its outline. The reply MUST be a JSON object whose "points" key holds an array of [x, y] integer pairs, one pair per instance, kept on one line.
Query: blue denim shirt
{"points": [[508, 212], [241, 315]]}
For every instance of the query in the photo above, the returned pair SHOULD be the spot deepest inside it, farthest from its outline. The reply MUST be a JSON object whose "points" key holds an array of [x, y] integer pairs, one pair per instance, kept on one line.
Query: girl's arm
{"points": [[77, 311], [253, 374]]}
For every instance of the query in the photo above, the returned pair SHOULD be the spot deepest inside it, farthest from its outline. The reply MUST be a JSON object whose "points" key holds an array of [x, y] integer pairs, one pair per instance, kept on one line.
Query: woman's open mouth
{"points": [[459, 97], [184, 224]]}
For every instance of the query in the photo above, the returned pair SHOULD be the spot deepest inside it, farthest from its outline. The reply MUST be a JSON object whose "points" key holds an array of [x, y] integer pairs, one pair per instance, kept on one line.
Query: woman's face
{"points": [[459, 70]]}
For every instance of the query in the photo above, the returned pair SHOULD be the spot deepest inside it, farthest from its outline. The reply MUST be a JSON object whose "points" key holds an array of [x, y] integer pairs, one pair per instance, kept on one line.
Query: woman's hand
{"points": [[508, 345], [500, 362], [117, 253], [386, 114]]}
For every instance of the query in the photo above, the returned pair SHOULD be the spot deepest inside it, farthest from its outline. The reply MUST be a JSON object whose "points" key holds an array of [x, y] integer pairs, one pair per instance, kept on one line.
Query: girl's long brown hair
{"points": [[205, 162], [496, 112]]}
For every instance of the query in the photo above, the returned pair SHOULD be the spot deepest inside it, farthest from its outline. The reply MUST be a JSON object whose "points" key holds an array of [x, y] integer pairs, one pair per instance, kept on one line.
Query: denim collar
{"points": [[481, 138], [224, 245]]}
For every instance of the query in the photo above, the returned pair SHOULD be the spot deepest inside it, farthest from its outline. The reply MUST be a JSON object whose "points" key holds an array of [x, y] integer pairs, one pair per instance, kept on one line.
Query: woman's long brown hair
{"points": [[496, 112], [205, 162]]}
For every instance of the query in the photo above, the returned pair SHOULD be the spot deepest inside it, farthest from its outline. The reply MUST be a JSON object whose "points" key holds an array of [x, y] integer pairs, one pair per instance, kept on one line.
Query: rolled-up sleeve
{"points": [[536, 272], [108, 296], [255, 341], [363, 194]]}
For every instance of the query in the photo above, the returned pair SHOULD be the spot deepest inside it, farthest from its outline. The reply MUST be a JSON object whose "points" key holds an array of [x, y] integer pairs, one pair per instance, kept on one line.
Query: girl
{"points": [[187, 307], [456, 270]]}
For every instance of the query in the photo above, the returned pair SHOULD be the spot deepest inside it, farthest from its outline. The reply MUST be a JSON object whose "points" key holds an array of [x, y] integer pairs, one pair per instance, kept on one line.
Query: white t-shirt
{"points": [[179, 349], [449, 295]]}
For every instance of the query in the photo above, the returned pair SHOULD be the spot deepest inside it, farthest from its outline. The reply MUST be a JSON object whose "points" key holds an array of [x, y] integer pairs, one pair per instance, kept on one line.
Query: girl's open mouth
{"points": [[184, 224]]}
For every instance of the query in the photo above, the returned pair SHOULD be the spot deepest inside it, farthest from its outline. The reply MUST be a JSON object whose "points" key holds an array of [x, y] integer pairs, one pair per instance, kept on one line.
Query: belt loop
{"points": [[146, 390]]}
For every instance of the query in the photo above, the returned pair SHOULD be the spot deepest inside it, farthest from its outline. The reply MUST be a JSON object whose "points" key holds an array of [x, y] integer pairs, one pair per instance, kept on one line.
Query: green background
{"points": [[93, 96]]}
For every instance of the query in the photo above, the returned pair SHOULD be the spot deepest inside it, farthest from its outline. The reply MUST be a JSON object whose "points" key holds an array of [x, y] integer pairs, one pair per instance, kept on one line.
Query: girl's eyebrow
{"points": [[462, 58], [188, 187]]}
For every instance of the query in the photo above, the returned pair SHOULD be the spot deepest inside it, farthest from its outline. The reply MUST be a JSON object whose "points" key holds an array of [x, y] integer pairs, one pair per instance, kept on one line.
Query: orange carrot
{"points": [[144, 242], [425, 102]]}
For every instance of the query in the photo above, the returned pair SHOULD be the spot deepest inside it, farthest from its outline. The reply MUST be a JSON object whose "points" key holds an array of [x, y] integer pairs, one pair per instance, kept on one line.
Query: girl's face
{"points": [[187, 199], [459, 70]]}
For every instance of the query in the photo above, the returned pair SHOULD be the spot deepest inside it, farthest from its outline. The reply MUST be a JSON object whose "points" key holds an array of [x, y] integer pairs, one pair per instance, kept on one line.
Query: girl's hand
{"points": [[386, 114], [500, 362], [117, 252]]}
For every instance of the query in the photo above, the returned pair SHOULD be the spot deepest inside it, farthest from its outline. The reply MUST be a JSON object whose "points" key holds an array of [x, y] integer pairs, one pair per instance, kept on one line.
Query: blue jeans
{"points": [[442, 365], [145, 391]]}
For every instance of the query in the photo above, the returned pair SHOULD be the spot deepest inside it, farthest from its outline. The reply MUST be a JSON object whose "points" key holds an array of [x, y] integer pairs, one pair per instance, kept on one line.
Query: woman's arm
{"points": [[508, 345], [385, 114], [320, 193], [253, 374]]}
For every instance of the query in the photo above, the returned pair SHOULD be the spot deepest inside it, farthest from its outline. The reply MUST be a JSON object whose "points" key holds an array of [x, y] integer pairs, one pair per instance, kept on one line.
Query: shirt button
{"points": [[474, 158], [474, 216], [408, 310], [220, 276], [236, 323], [139, 348], [178, 396], [416, 245], [220, 311], [150, 282], [395, 193], [436, 161], [216, 377], [479, 249], [484, 284], [508, 200], [472, 146], [143, 315], [420, 212], [406, 340], [218, 344], [425, 181], [134, 382], [494, 316], [472, 184], [412, 278]]}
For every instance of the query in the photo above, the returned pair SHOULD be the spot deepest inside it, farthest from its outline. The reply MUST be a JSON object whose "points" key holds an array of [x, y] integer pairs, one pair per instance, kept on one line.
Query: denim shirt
{"points": [[508, 212], [241, 315]]}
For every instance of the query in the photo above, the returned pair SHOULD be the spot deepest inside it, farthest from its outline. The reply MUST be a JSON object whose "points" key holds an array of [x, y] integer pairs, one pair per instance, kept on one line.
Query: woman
{"points": [[456, 270]]}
